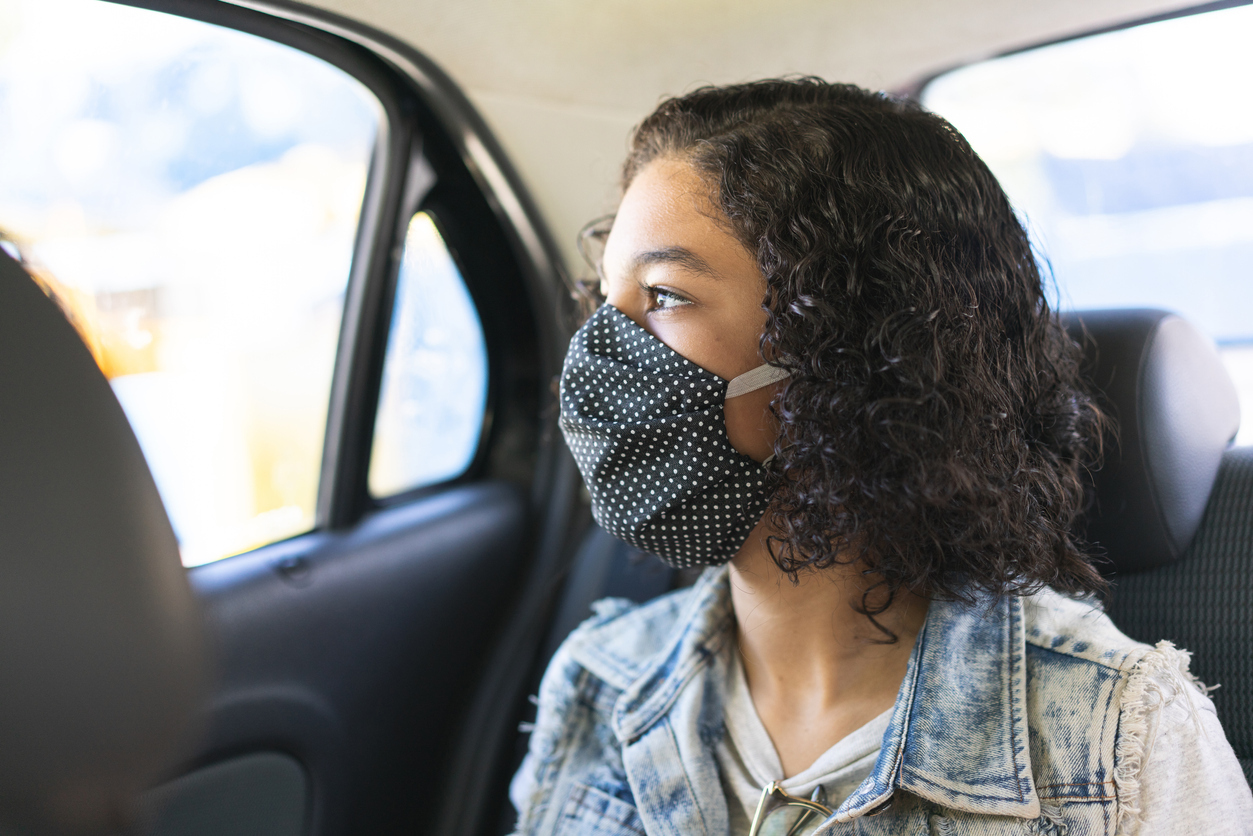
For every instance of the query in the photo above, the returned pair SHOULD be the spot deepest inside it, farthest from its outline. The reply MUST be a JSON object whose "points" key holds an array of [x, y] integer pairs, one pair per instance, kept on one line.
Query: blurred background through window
{"points": [[191, 195], [1130, 157], [434, 393]]}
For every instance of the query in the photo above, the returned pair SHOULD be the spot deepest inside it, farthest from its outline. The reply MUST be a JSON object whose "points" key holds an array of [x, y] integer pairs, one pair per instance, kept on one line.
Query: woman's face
{"points": [[673, 266]]}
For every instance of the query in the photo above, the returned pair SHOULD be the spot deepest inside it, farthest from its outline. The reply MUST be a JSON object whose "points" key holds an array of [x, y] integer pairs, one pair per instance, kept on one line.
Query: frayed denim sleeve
{"points": [[570, 738], [557, 726], [1177, 773], [522, 791]]}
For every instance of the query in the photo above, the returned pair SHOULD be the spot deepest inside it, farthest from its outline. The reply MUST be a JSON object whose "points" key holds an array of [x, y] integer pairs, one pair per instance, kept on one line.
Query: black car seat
{"points": [[1174, 501], [101, 641], [1172, 511]]}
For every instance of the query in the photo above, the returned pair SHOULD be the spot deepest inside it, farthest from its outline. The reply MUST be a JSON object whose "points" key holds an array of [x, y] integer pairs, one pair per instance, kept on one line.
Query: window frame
{"points": [[480, 457], [431, 144]]}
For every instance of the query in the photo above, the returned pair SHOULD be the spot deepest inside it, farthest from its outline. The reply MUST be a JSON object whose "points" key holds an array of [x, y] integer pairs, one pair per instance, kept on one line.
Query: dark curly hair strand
{"points": [[935, 428]]}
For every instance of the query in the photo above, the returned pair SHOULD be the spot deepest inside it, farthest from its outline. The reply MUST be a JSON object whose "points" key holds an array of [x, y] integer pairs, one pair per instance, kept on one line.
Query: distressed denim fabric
{"points": [[1016, 716]]}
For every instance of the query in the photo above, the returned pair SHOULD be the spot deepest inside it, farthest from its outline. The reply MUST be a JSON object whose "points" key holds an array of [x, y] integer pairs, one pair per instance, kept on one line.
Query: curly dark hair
{"points": [[935, 427]]}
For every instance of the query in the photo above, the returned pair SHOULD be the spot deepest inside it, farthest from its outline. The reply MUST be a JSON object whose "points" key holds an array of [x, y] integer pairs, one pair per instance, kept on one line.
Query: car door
{"points": [[333, 318]]}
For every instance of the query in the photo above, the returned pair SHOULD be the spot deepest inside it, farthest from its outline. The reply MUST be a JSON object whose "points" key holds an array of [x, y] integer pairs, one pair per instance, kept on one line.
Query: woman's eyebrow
{"points": [[680, 256]]}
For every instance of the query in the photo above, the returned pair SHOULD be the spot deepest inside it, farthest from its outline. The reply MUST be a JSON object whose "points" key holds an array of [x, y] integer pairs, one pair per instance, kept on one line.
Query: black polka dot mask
{"points": [[647, 429]]}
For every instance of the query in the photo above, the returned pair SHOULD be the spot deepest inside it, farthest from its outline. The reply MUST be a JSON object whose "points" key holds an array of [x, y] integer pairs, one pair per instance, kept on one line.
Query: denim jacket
{"points": [[1016, 716]]}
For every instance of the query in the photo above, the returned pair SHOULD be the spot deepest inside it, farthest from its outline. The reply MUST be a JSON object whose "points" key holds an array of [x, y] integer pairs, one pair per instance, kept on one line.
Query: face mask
{"points": [[647, 430]]}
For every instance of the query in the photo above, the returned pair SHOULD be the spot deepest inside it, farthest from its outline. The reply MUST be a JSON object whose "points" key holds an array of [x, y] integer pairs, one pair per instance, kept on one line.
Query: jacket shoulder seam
{"points": [[615, 668], [1124, 659], [1079, 630]]}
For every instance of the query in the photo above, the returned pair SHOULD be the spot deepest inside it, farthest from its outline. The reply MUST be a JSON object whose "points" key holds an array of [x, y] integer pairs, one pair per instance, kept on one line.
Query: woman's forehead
{"points": [[665, 192], [669, 207]]}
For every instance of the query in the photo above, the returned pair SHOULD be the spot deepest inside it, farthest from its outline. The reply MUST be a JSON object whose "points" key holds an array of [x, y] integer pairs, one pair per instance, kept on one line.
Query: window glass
{"points": [[1130, 156], [430, 413], [191, 195]]}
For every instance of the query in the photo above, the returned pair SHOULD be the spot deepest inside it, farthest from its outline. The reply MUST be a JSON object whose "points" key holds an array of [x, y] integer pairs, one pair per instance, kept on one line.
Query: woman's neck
{"points": [[817, 668]]}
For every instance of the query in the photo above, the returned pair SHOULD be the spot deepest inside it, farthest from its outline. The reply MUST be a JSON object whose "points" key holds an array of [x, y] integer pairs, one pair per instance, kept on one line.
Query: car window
{"points": [[191, 195], [1130, 156], [430, 413]]}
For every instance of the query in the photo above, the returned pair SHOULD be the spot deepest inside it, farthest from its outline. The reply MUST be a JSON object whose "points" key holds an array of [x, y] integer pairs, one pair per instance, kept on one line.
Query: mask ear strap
{"points": [[754, 379]]}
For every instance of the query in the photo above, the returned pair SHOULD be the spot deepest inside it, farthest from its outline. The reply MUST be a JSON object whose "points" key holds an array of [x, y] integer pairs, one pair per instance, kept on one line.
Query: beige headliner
{"points": [[562, 81]]}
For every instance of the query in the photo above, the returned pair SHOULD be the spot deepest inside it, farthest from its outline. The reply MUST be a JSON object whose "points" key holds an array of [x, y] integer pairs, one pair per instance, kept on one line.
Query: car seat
{"points": [[1173, 507], [1172, 512], [101, 641]]}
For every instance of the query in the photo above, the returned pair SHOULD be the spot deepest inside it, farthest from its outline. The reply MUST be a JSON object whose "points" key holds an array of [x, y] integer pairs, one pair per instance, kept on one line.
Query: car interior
{"points": [[354, 650]]}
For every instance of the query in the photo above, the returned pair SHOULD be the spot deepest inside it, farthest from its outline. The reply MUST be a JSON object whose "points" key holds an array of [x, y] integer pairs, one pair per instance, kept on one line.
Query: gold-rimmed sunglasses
{"points": [[782, 814]]}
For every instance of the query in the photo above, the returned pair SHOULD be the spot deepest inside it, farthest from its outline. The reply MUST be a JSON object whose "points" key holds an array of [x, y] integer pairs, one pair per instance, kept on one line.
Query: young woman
{"points": [[826, 368]]}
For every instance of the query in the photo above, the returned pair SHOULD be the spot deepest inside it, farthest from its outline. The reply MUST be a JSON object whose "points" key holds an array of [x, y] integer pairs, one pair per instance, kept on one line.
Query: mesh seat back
{"points": [[1204, 602]]}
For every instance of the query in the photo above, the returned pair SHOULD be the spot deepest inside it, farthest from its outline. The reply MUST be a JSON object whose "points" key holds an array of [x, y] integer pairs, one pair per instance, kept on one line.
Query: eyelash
{"points": [[655, 294]]}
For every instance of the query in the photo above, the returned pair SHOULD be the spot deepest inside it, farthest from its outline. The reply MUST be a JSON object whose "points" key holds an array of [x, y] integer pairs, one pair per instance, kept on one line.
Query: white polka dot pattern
{"points": [[646, 427]]}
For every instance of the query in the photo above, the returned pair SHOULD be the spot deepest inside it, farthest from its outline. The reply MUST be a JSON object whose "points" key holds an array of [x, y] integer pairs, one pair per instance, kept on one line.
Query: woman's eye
{"points": [[664, 299]]}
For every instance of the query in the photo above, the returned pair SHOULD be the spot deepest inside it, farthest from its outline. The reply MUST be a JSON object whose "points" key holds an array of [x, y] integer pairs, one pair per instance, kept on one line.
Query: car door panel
{"points": [[356, 652]]}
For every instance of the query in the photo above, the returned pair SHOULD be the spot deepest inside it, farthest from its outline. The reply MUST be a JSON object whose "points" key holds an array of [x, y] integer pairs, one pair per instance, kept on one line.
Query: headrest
{"points": [[101, 640], [1176, 411]]}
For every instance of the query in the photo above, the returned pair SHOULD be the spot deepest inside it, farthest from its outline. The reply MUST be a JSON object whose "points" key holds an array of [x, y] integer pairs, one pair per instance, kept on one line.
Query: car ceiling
{"points": [[561, 82]]}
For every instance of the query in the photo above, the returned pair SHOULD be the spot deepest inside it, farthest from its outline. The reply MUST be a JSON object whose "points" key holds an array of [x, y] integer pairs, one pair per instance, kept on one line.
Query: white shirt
{"points": [[748, 761]]}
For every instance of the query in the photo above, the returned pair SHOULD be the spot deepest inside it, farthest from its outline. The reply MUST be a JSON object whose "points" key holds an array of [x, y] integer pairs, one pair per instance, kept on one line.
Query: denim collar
{"points": [[958, 734]]}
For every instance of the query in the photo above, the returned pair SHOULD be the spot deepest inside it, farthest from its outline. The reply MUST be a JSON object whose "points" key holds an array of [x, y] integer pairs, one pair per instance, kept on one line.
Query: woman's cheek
{"points": [[751, 427]]}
